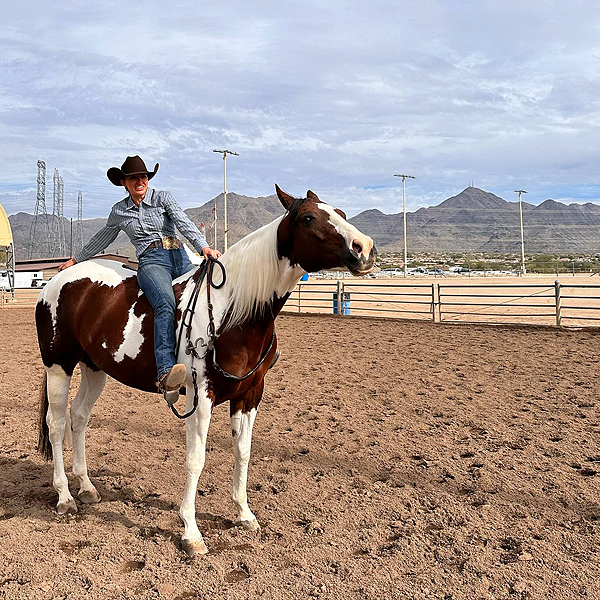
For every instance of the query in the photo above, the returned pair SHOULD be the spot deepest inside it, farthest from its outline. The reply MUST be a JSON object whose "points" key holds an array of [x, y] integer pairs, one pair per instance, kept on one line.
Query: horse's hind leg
{"points": [[92, 384], [57, 388]]}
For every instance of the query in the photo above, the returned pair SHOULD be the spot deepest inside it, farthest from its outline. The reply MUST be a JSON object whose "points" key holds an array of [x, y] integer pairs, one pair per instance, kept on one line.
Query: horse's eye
{"points": [[306, 219]]}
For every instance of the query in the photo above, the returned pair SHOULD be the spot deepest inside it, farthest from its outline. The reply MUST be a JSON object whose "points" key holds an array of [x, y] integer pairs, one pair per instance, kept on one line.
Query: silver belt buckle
{"points": [[171, 243]]}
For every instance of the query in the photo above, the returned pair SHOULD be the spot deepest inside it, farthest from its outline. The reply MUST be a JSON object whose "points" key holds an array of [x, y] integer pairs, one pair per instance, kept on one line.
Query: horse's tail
{"points": [[44, 445]]}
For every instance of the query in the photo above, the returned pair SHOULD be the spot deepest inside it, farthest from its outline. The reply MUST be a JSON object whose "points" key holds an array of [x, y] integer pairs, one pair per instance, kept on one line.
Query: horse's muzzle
{"points": [[359, 264]]}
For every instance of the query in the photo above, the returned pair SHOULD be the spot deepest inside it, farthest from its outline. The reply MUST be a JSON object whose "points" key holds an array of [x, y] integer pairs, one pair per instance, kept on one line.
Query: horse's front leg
{"points": [[242, 422], [196, 432]]}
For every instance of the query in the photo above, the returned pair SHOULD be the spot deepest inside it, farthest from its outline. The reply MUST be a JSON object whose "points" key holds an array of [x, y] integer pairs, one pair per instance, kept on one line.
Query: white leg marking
{"points": [[241, 430], [92, 384], [196, 432], [57, 387]]}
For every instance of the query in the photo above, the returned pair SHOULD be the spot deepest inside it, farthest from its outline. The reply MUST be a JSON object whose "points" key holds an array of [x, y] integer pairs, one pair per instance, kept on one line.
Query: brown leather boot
{"points": [[172, 381]]}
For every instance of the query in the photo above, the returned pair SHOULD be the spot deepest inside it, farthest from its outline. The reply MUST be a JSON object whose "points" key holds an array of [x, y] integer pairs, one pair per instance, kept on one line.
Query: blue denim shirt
{"points": [[157, 216]]}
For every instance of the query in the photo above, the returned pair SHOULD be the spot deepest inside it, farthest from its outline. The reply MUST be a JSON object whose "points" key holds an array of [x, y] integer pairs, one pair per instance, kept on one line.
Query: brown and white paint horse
{"points": [[94, 314]]}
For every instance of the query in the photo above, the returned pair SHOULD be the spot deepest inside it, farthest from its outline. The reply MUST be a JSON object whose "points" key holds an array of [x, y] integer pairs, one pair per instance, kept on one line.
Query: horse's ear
{"points": [[284, 198], [310, 194], [341, 213]]}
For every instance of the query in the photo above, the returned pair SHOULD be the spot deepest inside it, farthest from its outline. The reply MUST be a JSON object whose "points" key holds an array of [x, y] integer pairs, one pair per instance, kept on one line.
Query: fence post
{"points": [[557, 302], [439, 301], [339, 298], [433, 302], [299, 291]]}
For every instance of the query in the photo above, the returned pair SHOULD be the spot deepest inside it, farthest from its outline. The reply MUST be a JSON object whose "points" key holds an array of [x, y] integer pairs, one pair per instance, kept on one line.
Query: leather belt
{"points": [[168, 243]]}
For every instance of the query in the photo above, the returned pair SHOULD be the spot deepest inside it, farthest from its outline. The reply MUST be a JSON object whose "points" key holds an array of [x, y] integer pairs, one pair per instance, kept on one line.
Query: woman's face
{"points": [[136, 185]]}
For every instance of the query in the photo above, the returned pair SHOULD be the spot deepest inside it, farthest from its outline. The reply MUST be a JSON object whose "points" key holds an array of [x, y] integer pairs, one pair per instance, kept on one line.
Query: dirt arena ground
{"points": [[391, 459]]}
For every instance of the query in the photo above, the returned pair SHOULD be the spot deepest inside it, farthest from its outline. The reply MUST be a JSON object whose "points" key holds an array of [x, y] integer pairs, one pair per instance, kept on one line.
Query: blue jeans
{"points": [[156, 270]]}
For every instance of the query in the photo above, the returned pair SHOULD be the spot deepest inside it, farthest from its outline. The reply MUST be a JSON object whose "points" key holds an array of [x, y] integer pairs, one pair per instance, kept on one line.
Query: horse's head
{"points": [[316, 236]]}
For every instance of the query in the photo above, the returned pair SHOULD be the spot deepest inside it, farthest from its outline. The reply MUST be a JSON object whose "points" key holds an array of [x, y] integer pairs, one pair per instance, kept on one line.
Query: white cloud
{"points": [[335, 96]]}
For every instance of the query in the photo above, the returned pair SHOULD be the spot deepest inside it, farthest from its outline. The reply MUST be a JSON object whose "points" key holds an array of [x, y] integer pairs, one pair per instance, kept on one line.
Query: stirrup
{"points": [[171, 396]]}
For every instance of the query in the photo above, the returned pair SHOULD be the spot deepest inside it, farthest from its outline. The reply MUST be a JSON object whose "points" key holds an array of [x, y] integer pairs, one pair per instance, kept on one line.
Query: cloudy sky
{"points": [[334, 96]]}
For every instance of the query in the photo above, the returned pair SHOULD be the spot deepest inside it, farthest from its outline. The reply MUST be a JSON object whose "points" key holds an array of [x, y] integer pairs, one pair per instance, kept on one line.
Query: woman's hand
{"points": [[67, 264], [210, 253]]}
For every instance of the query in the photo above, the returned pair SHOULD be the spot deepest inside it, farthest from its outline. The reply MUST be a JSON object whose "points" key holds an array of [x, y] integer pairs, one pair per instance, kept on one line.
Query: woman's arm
{"points": [[184, 224], [100, 241]]}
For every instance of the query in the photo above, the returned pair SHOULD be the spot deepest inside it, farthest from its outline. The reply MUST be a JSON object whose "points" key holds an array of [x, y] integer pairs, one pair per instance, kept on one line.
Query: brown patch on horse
{"points": [[239, 350], [77, 336], [45, 331]]}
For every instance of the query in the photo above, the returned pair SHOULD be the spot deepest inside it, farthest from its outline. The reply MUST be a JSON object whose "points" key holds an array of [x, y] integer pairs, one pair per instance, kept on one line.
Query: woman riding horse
{"points": [[149, 217], [95, 317]]}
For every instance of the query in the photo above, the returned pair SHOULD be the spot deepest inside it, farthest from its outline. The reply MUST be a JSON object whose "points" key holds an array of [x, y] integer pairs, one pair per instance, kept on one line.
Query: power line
{"points": [[40, 227]]}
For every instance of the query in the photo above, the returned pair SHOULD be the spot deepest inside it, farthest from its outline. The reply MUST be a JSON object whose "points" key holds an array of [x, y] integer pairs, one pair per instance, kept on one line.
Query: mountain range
{"points": [[472, 221], [478, 221]]}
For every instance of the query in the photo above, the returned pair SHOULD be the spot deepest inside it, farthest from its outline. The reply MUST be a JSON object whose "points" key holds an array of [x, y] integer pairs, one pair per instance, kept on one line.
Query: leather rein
{"points": [[206, 270]]}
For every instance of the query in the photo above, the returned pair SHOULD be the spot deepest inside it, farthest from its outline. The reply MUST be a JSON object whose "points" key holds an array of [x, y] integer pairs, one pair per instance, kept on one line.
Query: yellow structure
{"points": [[6, 241], [6, 238]]}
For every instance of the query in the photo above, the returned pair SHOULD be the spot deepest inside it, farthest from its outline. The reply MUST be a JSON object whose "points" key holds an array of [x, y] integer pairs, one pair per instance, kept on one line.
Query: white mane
{"points": [[255, 273]]}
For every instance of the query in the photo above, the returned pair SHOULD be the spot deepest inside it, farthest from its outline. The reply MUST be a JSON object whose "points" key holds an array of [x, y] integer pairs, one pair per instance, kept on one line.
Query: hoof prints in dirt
{"points": [[467, 453]]}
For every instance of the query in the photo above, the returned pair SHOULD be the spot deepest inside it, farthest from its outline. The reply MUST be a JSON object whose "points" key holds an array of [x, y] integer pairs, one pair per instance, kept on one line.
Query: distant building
{"points": [[49, 266]]}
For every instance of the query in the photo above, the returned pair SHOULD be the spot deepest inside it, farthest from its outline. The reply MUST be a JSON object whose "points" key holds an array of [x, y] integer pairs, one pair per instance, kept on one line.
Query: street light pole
{"points": [[404, 178], [522, 239], [225, 230]]}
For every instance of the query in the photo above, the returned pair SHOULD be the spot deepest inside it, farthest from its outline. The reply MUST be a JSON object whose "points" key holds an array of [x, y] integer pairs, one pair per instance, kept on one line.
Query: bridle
{"points": [[206, 269]]}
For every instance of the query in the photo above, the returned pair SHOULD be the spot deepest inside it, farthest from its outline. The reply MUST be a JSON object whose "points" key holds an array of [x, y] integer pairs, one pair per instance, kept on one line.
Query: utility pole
{"points": [[404, 178], [213, 228], [79, 234], [522, 240], [226, 231], [56, 215], [61, 229]]}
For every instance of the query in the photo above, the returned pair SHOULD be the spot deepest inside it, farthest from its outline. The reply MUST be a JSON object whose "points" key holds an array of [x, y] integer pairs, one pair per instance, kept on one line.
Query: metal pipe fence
{"points": [[19, 297], [471, 302], [560, 304]]}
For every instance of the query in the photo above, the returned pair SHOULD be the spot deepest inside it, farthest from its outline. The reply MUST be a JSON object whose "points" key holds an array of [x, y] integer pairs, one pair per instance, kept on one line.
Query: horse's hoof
{"points": [[250, 525], [89, 496], [67, 508], [194, 548]]}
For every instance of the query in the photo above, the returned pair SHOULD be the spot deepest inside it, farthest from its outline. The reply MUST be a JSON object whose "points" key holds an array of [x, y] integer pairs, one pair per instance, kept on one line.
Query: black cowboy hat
{"points": [[133, 165]]}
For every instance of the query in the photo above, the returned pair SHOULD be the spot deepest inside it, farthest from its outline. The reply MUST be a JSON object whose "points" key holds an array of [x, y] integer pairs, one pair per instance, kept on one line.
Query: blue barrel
{"points": [[304, 277], [345, 308]]}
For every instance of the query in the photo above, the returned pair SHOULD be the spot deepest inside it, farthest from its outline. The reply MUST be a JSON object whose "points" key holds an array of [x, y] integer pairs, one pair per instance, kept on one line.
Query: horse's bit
{"points": [[206, 270]]}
